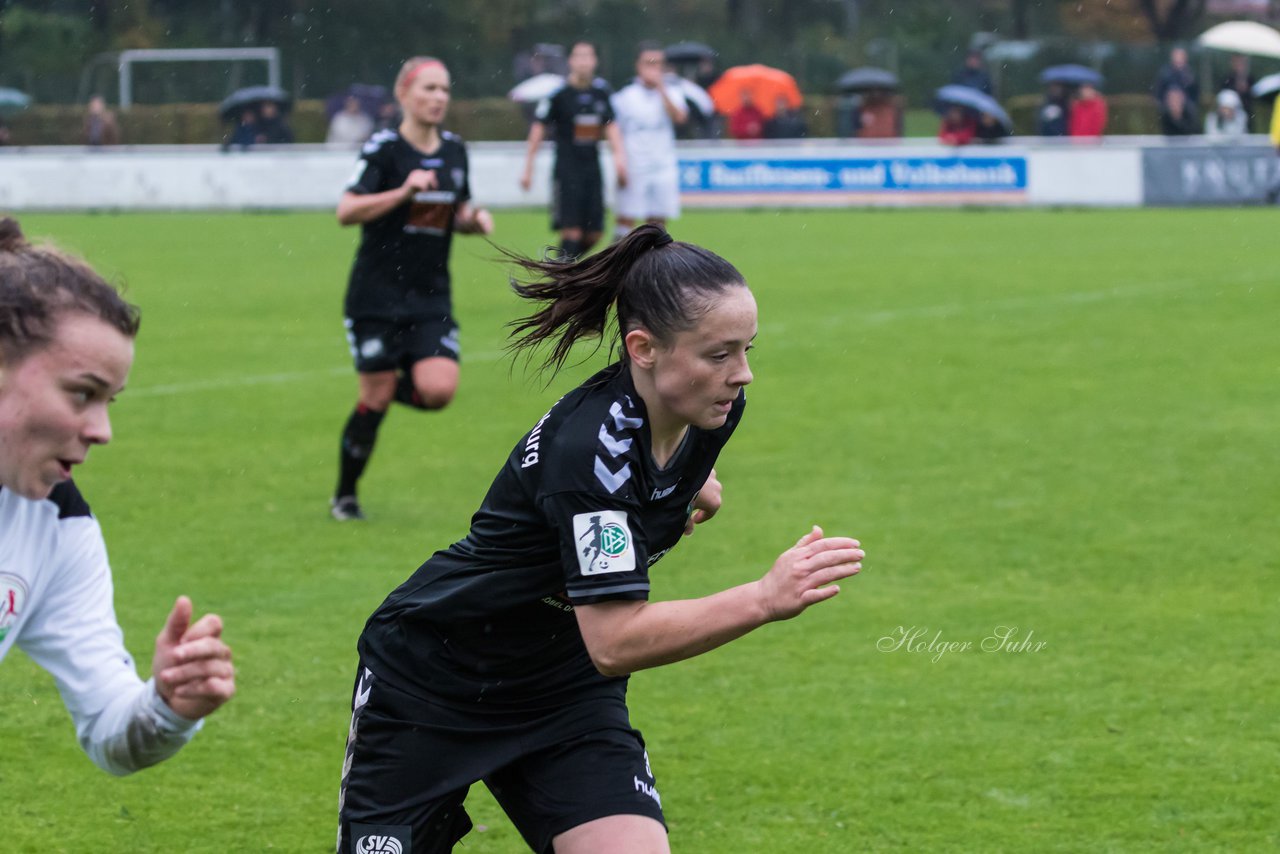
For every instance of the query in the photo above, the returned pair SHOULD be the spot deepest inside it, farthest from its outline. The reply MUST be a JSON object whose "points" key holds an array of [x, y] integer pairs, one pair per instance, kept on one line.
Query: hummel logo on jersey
{"points": [[659, 494], [604, 542]]}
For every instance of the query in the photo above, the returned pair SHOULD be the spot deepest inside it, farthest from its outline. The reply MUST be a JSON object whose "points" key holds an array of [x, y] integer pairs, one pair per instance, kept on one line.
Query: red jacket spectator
{"points": [[1088, 113], [746, 122], [958, 127]]}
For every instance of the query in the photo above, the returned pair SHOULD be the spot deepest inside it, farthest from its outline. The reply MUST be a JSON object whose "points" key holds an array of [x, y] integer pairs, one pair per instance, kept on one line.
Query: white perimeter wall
{"points": [[312, 177]]}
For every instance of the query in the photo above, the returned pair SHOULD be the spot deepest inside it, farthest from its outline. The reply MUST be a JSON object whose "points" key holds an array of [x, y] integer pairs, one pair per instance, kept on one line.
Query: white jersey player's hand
{"points": [[192, 666]]}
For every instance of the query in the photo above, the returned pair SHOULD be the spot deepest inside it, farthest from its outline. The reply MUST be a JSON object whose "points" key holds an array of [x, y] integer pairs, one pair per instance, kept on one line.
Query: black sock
{"points": [[570, 249], [357, 446]]}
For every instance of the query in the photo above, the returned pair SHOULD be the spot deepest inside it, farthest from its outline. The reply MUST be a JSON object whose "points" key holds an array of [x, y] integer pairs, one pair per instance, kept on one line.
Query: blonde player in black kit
{"points": [[410, 193], [505, 657]]}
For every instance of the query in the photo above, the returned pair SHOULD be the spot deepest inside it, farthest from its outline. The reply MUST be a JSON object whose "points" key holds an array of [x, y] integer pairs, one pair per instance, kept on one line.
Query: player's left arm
{"points": [[614, 135], [706, 503], [473, 220], [468, 218]]}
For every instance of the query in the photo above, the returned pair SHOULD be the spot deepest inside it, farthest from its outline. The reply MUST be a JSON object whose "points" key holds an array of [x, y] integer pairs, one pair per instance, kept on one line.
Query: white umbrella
{"points": [[693, 93], [1267, 87], [536, 88], [1242, 37]]}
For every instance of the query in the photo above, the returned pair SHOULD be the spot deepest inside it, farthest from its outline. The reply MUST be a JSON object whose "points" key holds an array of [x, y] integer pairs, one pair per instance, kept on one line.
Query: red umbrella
{"points": [[765, 85]]}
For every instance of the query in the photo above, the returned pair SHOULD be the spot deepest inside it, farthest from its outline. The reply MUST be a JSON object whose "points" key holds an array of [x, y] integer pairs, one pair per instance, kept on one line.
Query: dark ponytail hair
{"points": [[40, 284], [655, 283]]}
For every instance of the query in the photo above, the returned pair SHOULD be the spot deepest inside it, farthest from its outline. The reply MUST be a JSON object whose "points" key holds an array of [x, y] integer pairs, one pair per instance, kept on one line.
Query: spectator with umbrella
{"points": [[1065, 91], [869, 106], [1240, 81], [961, 108], [959, 126], [273, 128], [691, 69], [243, 107], [749, 95]]}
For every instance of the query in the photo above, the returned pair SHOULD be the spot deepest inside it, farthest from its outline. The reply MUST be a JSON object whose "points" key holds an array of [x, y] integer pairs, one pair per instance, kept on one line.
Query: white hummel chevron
{"points": [[612, 445], [622, 422], [610, 480]]}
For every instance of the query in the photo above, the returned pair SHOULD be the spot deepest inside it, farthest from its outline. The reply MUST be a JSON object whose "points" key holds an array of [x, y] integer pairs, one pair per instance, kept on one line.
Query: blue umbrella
{"points": [[973, 99], [370, 96], [1072, 75]]}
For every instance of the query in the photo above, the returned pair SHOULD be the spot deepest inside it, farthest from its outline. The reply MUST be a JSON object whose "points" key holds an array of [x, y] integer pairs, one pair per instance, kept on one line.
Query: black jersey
{"points": [[401, 270], [578, 515], [577, 118]]}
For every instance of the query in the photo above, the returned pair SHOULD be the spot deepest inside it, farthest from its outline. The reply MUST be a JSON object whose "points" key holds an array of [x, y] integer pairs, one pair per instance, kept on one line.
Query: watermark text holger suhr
{"points": [[918, 639]]}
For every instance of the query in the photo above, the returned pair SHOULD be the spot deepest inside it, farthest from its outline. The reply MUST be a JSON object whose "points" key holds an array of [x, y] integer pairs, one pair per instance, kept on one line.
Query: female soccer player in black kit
{"points": [[505, 657], [410, 193]]}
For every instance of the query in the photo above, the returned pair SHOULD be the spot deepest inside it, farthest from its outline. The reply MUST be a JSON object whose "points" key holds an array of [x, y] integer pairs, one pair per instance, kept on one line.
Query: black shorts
{"points": [[410, 762], [577, 201], [388, 345]]}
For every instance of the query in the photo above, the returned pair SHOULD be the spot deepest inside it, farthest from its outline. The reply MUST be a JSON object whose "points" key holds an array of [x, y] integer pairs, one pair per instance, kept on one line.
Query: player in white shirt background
{"points": [[66, 346], [647, 112]]}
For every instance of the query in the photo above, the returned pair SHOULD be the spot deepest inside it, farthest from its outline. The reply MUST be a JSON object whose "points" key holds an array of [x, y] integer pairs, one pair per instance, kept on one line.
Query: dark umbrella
{"points": [[1072, 75], [241, 99], [863, 79], [370, 96], [973, 99], [689, 52], [13, 101]]}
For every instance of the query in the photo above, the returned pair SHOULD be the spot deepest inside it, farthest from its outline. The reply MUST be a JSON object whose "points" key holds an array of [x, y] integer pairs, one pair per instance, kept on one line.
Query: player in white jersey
{"points": [[647, 113], [66, 345]]}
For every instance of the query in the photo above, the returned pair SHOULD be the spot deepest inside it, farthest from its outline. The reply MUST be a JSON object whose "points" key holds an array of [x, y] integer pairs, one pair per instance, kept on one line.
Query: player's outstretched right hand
{"points": [[803, 575]]}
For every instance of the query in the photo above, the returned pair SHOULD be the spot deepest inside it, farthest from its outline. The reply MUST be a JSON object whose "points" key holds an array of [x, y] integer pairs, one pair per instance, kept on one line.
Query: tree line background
{"points": [[54, 49]]}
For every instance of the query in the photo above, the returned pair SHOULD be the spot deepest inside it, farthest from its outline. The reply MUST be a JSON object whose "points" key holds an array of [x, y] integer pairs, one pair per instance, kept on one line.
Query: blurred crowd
{"points": [[756, 102]]}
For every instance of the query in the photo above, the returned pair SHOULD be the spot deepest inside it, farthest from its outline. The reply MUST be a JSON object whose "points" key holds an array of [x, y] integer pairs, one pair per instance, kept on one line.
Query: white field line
{"points": [[856, 318]]}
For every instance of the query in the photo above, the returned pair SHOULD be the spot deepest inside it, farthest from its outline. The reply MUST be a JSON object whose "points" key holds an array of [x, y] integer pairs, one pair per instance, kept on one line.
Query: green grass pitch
{"points": [[1059, 421]]}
